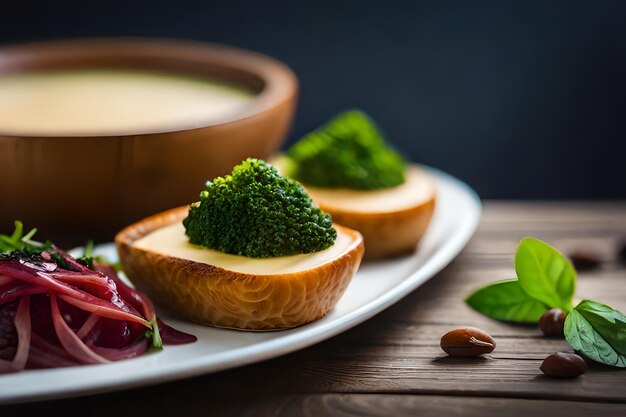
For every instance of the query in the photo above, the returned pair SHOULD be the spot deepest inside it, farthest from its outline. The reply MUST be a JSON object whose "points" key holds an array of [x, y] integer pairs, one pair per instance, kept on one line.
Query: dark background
{"points": [[520, 99]]}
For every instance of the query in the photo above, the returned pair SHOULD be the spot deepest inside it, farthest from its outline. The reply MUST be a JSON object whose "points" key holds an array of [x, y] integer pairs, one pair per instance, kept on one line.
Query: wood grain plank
{"points": [[317, 405], [379, 366], [385, 405]]}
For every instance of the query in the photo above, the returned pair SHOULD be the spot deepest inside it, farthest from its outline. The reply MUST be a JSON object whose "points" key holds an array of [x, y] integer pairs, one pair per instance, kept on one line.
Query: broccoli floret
{"points": [[347, 152], [258, 213]]}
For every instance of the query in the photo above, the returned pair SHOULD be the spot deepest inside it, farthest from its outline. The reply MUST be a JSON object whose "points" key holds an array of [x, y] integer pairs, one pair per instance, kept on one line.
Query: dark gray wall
{"points": [[521, 99]]}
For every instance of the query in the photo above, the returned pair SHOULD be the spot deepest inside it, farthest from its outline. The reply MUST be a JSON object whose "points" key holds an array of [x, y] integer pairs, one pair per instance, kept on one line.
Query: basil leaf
{"points": [[608, 322], [505, 300], [584, 338], [545, 274]]}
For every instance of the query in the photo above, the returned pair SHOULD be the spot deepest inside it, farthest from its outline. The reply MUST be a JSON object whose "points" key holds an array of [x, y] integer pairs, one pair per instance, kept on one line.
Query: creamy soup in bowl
{"points": [[92, 101]]}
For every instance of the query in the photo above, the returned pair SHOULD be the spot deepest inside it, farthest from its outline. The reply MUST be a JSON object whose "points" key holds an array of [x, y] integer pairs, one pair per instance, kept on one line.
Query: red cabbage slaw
{"points": [[56, 312]]}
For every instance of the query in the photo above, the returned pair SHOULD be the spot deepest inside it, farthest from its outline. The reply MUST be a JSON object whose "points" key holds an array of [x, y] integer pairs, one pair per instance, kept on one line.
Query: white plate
{"points": [[375, 287]]}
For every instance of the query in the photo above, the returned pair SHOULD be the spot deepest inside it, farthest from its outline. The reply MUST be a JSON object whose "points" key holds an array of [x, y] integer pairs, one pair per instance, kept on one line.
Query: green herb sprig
{"points": [[547, 279], [18, 241], [87, 258], [24, 243]]}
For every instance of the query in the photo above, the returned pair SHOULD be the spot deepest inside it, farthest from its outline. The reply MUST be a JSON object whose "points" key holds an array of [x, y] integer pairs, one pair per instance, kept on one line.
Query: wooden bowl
{"points": [[78, 187]]}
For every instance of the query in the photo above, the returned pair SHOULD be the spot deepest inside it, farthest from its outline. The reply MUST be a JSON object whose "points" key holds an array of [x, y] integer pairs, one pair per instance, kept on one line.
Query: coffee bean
{"points": [[552, 322], [622, 252], [467, 341], [585, 261], [563, 365]]}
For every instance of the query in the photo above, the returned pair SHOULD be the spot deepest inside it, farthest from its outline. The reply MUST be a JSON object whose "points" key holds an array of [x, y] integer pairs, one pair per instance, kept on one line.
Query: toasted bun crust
{"points": [[387, 232], [390, 233], [218, 297]]}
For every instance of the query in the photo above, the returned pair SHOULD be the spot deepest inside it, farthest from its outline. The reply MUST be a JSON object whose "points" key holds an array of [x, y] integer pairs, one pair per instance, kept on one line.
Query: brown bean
{"points": [[552, 322], [585, 261], [467, 341], [621, 253], [563, 365]]}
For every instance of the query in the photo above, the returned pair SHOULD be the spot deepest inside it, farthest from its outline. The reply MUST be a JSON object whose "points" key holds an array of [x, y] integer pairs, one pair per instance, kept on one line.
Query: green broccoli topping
{"points": [[258, 213], [349, 152]]}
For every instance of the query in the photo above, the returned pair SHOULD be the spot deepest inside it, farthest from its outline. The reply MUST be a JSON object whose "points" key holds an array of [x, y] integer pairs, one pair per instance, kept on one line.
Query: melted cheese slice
{"points": [[172, 241], [417, 189]]}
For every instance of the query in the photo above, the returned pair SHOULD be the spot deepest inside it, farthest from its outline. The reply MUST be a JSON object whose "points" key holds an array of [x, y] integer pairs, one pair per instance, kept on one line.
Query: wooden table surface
{"points": [[392, 365]]}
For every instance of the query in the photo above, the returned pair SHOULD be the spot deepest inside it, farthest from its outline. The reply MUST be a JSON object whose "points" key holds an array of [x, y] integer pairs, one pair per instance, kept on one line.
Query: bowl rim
{"points": [[280, 83]]}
